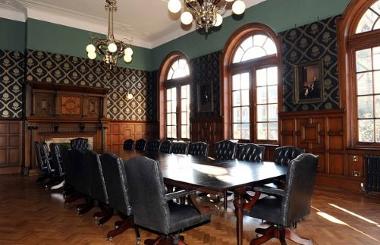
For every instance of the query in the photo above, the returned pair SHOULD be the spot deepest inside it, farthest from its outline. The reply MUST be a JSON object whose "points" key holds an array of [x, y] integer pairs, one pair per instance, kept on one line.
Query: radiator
{"points": [[372, 168]]}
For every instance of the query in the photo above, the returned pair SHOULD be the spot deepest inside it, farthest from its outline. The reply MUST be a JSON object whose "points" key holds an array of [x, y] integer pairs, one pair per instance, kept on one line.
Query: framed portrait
{"points": [[205, 101], [308, 87]]}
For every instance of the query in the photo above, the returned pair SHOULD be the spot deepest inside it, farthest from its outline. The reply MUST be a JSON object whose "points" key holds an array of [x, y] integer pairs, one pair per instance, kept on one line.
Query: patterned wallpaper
{"points": [[206, 69], [308, 43], [68, 70], [11, 81]]}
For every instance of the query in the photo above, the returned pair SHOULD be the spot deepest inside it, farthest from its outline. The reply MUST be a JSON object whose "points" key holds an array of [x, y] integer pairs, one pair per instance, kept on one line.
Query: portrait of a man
{"points": [[308, 87]]}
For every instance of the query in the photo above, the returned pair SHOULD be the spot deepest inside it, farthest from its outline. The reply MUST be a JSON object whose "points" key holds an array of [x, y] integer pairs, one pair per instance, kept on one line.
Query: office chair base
{"points": [[279, 233], [166, 240], [103, 215], [85, 207], [121, 226]]}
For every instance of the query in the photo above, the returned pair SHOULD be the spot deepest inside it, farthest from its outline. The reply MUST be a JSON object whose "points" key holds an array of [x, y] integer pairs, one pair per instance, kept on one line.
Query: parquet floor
{"points": [[31, 215]]}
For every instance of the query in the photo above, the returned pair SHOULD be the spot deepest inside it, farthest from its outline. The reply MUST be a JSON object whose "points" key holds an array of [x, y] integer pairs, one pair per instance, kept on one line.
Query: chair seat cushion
{"points": [[267, 208], [185, 216]]}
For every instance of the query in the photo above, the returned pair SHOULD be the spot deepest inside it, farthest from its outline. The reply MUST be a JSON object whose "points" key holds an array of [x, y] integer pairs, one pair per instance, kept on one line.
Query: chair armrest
{"points": [[270, 191], [178, 194]]}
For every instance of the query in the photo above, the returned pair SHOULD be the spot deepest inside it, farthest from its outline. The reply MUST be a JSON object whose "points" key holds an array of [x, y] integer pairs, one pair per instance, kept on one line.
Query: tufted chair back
{"points": [[250, 152], [116, 183], [40, 157], [152, 146], [144, 176], [56, 157], [81, 172], [225, 150], [299, 188], [198, 149], [98, 185], [80, 144], [128, 144], [284, 154], [166, 146], [180, 147], [140, 145]]}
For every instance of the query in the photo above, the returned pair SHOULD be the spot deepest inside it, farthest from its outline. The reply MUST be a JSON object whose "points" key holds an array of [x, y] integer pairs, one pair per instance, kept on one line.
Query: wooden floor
{"points": [[31, 215]]}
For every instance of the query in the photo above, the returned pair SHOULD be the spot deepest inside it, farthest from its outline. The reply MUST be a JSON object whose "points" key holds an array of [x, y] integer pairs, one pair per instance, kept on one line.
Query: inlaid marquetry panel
{"points": [[70, 105]]}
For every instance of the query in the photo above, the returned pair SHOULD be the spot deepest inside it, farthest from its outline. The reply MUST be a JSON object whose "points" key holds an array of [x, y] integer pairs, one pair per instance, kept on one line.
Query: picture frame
{"points": [[309, 82], [205, 97]]}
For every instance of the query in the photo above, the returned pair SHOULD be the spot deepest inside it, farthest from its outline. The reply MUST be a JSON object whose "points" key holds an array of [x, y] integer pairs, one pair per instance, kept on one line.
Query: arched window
{"points": [[361, 45], [175, 80], [251, 63]]}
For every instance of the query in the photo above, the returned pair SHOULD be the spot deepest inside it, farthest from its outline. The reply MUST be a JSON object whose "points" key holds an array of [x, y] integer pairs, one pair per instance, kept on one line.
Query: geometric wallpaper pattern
{"points": [[69, 70], [312, 42], [11, 81]]}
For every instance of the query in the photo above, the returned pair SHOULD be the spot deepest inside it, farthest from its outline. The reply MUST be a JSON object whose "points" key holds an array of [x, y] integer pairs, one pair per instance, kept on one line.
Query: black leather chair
{"points": [[198, 149], [250, 152], [225, 150], [80, 144], [284, 154], [180, 147], [43, 161], [116, 186], [153, 208], [152, 146], [166, 146], [140, 145], [56, 157], [98, 187], [128, 144], [283, 208]]}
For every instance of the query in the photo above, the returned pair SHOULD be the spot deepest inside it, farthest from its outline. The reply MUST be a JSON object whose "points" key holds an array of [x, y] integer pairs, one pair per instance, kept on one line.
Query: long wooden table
{"points": [[191, 172]]}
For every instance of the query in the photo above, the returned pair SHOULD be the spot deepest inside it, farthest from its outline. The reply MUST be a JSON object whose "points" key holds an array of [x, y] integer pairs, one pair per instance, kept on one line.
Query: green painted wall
{"points": [[12, 35], [61, 39], [280, 15]]}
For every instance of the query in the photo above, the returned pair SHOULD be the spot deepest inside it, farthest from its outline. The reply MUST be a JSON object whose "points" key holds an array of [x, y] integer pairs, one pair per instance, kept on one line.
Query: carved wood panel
{"points": [[91, 107], [44, 104], [10, 144], [70, 105]]}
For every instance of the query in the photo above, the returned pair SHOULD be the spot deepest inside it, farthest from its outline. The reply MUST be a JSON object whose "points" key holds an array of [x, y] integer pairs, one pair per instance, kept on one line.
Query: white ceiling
{"points": [[147, 23]]}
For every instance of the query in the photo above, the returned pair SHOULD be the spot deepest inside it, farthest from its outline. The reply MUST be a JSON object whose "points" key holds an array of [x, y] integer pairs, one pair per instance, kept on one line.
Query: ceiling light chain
{"points": [[205, 13], [110, 48]]}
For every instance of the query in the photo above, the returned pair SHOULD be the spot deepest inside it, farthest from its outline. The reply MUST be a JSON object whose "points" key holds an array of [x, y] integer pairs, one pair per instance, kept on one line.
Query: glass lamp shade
{"points": [[218, 20], [91, 55], [238, 7], [174, 6], [90, 48], [186, 18], [128, 51], [127, 58], [112, 47]]}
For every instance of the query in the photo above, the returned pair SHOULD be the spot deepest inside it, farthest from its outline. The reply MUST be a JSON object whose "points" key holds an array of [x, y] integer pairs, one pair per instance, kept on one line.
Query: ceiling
{"points": [[147, 23]]}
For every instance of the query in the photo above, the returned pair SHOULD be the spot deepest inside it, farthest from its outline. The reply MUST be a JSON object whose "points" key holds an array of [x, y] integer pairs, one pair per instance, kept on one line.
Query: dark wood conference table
{"points": [[200, 173]]}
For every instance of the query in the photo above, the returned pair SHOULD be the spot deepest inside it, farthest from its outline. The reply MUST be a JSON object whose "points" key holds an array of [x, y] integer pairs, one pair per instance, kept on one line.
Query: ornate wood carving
{"points": [[70, 105]]}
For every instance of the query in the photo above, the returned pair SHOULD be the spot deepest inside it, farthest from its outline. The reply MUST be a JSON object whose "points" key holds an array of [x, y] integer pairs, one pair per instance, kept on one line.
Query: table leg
{"points": [[238, 203]]}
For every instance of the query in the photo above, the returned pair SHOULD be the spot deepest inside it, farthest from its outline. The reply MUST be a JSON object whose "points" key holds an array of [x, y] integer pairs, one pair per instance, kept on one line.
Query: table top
{"points": [[219, 175]]}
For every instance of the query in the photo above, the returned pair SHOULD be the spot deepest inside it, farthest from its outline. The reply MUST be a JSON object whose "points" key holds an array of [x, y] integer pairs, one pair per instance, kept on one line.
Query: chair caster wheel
{"points": [[109, 239]]}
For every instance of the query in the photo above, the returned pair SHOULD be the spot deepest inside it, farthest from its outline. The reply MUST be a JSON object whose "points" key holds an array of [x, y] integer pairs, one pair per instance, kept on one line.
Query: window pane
{"points": [[262, 131], [236, 82], [367, 21], [236, 115], [238, 55], [253, 53], [179, 69], [261, 77], [168, 106], [174, 106], [366, 130], [245, 132], [272, 112], [245, 97], [376, 58], [254, 47], [168, 119], [377, 82], [377, 131], [169, 131], [272, 76], [245, 114], [261, 95], [363, 60], [272, 94], [262, 114], [365, 107], [273, 131], [184, 118], [236, 98], [377, 106], [245, 80], [237, 131], [174, 118], [364, 83]]}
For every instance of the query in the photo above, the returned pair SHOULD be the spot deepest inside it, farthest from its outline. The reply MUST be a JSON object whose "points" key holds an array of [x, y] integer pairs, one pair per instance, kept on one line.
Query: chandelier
{"points": [[110, 48], [205, 13]]}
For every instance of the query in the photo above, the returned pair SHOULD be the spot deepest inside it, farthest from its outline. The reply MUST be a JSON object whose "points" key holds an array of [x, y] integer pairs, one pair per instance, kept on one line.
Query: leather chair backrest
{"points": [[38, 150], [116, 183], [250, 152], [166, 146], [128, 144], [56, 157], [98, 185], [79, 144], [44, 155], [140, 145], [152, 145], [180, 147], [225, 150], [81, 172], [299, 188], [147, 194], [198, 149], [69, 167], [284, 154]]}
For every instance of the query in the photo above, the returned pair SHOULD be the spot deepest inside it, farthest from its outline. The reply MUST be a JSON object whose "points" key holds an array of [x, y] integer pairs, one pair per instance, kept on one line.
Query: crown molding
{"points": [[11, 12]]}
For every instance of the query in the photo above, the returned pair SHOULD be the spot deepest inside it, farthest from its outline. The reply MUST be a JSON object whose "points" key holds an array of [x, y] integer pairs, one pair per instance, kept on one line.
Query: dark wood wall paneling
{"points": [[10, 146]]}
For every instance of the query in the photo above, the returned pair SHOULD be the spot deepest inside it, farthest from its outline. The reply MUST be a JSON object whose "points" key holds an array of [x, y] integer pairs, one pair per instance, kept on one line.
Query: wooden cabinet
{"points": [[10, 145]]}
